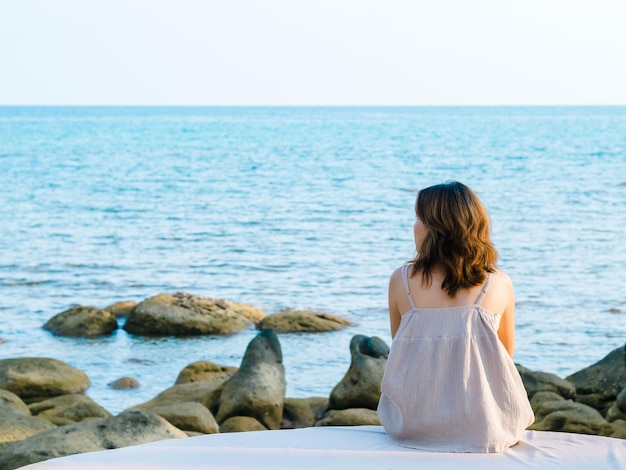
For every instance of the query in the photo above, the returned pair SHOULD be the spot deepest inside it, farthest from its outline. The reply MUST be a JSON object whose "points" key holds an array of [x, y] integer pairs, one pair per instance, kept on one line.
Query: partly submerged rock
{"points": [[82, 322], [126, 429], [183, 314], [257, 389], [360, 387], [306, 321], [37, 377], [124, 383], [204, 370]]}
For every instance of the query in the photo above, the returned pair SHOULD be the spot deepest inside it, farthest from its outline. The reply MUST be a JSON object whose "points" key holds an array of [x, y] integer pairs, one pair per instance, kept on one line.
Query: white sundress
{"points": [[449, 384]]}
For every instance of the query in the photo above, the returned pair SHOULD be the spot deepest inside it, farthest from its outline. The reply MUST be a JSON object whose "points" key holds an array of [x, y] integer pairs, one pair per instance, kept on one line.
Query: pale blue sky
{"points": [[312, 52]]}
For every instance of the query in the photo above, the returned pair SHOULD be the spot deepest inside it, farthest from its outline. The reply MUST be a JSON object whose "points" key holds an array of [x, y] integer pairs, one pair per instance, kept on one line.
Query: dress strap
{"points": [[484, 289], [405, 280]]}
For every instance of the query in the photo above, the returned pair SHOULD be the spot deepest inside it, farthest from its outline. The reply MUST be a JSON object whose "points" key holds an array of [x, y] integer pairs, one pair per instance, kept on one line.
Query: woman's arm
{"points": [[506, 332], [395, 282]]}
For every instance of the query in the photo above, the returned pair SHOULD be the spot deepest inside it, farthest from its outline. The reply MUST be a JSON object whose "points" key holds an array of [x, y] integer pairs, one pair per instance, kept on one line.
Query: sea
{"points": [[299, 207]]}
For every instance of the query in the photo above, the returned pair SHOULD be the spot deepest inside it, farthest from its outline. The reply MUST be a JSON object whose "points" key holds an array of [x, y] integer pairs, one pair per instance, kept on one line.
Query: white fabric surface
{"points": [[352, 448]]}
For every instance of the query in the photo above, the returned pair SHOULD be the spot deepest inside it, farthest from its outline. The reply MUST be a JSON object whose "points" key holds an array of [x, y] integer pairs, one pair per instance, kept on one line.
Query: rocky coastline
{"points": [[44, 412]]}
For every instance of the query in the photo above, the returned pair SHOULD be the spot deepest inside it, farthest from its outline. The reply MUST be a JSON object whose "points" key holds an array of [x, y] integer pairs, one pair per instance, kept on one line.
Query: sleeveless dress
{"points": [[449, 384]]}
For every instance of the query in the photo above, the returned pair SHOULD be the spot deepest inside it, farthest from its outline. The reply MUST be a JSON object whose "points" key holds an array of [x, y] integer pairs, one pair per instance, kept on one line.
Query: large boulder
{"points": [[570, 416], [183, 314], [349, 417], [82, 322], [537, 381], [303, 412], [17, 424], [204, 370], [360, 387], [305, 321], [68, 409], [124, 430], [257, 389], [599, 384], [36, 377], [188, 416]]}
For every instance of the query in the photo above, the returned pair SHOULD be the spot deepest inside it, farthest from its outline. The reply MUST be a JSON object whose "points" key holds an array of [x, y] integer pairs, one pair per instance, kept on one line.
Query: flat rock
{"points": [[257, 389], [68, 409], [33, 377], [204, 370], [349, 417], [360, 387], [189, 417], [303, 321], [183, 314], [82, 322], [124, 430]]}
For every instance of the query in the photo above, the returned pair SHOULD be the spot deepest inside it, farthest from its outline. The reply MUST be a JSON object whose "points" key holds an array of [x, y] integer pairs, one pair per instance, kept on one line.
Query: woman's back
{"points": [[450, 384]]}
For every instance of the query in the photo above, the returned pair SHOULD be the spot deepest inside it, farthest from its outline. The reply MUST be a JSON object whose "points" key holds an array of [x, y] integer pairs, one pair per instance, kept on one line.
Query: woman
{"points": [[450, 384]]}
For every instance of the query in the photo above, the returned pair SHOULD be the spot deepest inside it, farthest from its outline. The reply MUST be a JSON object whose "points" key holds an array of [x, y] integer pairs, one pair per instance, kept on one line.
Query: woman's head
{"points": [[452, 234]]}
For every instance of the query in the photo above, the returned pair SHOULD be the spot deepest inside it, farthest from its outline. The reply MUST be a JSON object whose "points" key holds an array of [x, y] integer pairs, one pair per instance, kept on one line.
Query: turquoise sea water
{"points": [[299, 207]]}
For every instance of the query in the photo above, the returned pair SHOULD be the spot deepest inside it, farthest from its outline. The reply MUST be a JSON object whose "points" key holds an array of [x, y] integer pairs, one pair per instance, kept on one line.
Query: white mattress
{"points": [[352, 448]]}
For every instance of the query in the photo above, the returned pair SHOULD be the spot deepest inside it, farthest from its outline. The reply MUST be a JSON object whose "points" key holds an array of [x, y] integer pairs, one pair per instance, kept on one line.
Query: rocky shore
{"points": [[44, 412]]}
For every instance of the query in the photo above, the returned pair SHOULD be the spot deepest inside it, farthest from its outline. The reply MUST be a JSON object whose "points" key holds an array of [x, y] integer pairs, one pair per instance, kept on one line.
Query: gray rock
{"points": [[570, 416], [89, 436], [257, 389], [306, 321], [303, 412], [36, 377], [183, 314], [360, 387], [82, 322], [189, 417], [618, 409], [537, 381], [241, 424], [16, 425], [124, 383], [349, 417], [540, 398], [68, 409], [204, 370], [599, 384]]}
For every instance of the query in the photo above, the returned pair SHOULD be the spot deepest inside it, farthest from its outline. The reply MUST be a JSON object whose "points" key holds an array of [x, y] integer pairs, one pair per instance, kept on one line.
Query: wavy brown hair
{"points": [[457, 237]]}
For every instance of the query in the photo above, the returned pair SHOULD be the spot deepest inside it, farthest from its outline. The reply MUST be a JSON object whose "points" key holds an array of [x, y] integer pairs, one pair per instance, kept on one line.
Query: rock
{"points": [[537, 381], [599, 384], [124, 383], [360, 387], [618, 409], [619, 429], [189, 417], [11, 399], [570, 416], [82, 322], [121, 309], [303, 412], [32, 377], [295, 321], [199, 392], [241, 424], [17, 424], [540, 398], [186, 315], [126, 429], [255, 315], [68, 409], [204, 370], [349, 417], [257, 389]]}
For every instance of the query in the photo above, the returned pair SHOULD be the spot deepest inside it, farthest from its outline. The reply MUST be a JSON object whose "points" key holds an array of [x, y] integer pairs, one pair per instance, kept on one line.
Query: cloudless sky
{"points": [[312, 52]]}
